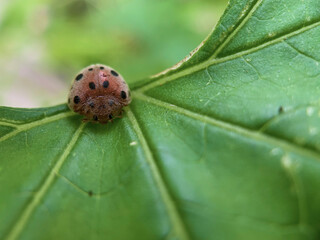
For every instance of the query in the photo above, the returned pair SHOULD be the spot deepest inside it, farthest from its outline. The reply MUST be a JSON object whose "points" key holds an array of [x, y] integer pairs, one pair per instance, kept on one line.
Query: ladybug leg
{"points": [[110, 118], [85, 120], [120, 114]]}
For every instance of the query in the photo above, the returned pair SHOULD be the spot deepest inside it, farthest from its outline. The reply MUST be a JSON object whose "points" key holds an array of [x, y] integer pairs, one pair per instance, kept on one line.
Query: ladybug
{"points": [[99, 93]]}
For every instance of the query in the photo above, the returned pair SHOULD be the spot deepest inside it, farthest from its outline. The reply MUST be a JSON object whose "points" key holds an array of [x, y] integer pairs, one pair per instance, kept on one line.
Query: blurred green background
{"points": [[44, 43]]}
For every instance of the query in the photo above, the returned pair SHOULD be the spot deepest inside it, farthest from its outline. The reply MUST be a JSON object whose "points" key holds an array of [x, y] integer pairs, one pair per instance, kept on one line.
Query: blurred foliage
{"points": [[43, 43]]}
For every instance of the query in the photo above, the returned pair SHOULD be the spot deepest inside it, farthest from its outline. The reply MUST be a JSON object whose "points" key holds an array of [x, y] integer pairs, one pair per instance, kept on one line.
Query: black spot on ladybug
{"points": [[76, 99], [95, 117], [92, 85], [111, 102], [90, 69], [105, 84], [280, 110], [114, 73], [79, 76], [90, 193], [101, 68], [91, 105], [123, 94], [110, 116]]}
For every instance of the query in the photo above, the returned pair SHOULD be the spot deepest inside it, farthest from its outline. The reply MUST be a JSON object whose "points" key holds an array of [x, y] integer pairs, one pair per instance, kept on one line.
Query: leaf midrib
{"points": [[175, 218]]}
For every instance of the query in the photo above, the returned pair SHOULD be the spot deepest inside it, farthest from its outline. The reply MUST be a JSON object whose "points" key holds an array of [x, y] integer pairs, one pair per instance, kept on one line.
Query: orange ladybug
{"points": [[99, 93]]}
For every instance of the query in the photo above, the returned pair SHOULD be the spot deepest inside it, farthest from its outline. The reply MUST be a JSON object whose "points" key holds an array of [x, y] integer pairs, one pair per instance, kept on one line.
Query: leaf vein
{"points": [[278, 118], [163, 189], [291, 168], [210, 62], [21, 222], [72, 184], [37, 123], [252, 134], [8, 124], [299, 51], [243, 22]]}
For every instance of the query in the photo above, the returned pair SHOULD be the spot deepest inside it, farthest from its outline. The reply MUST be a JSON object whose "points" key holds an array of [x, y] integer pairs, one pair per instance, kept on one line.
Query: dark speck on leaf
{"points": [[280, 110], [90, 193]]}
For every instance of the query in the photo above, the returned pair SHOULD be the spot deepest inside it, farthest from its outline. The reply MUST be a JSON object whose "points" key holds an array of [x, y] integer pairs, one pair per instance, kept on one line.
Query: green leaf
{"points": [[225, 145]]}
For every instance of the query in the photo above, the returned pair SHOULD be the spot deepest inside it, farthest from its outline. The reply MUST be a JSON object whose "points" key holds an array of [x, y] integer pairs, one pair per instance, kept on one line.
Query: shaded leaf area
{"points": [[68, 175], [226, 147]]}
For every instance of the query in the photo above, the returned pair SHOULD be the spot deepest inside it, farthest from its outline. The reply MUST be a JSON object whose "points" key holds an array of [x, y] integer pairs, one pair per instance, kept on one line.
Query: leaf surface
{"points": [[225, 145]]}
